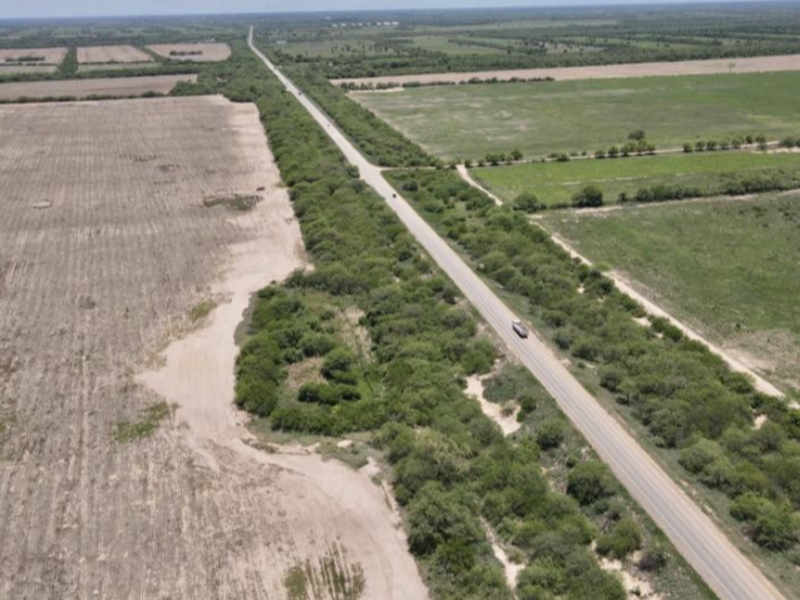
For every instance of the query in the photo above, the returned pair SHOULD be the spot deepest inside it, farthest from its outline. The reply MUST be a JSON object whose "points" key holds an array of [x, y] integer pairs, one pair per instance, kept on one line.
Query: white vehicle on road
{"points": [[519, 329]]}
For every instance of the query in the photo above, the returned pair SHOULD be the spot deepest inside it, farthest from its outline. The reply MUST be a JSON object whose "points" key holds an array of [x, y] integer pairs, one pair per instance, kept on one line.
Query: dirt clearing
{"points": [[83, 88], [208, 52], [100, 55], [105, 249], [688, 67]]}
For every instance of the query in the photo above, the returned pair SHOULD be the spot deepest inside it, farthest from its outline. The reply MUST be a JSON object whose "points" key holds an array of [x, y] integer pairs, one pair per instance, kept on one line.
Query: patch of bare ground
{"points": [[504, 415], [98, 55], [89, 287], [201, 52], [758, 64], [83, 88]]}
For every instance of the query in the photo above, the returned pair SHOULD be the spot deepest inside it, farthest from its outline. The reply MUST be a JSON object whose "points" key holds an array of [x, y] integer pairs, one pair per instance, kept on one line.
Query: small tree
{"points": [[613, 152], [589, 197], [688, 148], [700, 145], [636, 135], [527, 202], [711, 145], [516, 154], [600, 153]]}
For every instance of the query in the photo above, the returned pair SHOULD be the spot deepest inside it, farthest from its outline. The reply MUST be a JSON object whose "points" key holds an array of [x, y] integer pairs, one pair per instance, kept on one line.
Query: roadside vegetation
{"points": [[689, 403], [451, 467]]}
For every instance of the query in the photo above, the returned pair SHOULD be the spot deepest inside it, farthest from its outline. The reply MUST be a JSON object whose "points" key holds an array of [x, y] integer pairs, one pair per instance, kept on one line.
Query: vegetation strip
{"points": [[645, 370]]}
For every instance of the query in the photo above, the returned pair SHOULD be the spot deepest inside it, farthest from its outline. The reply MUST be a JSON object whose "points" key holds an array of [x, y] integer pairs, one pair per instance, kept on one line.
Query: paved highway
{"points": [[705, 547]]}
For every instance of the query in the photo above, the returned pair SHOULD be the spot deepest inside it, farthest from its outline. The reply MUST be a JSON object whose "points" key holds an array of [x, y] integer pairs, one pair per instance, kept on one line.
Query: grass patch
{"points": [[145, 426], [729, 268], [469, 121], [555, 183], [329, 577], [236, 202], [201, 310]]}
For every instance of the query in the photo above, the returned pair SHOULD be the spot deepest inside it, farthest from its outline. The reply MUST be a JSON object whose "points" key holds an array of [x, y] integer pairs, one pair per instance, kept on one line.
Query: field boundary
{"points": [[760, 64], [653, 309]]}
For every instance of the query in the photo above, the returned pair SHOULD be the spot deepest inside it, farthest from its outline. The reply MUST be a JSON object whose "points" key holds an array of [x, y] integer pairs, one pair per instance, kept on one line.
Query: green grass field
{"points": [[730, 268], [469, 121], [556, 182]]}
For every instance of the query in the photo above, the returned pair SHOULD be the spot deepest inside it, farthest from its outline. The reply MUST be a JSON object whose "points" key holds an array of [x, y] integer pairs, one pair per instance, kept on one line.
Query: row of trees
{"points": [[682, 393]]}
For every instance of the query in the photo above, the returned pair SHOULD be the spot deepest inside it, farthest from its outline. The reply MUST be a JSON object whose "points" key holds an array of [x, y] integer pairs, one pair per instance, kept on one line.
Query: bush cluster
{"points": [[683, 394]]}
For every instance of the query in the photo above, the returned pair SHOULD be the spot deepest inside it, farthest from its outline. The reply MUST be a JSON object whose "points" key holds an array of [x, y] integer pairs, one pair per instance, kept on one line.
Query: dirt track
{"points": [[688, 67], [105, 246]]}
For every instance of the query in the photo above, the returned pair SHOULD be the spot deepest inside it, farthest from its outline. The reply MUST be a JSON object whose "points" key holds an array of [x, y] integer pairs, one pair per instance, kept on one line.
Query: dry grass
{"points": [[205, 52], [83, 88], [99, 55], [687, 67]]}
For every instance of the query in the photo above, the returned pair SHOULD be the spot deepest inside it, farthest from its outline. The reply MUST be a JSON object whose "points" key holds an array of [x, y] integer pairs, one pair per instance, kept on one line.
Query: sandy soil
{"points": [[52, 56], [112, 54], [82, 88], [210, 52], [688, 67], [105, 246], [507, 423]]}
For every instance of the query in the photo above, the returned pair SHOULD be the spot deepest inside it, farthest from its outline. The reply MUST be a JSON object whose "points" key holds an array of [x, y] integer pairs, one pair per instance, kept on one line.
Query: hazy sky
{"points": [[83, 8]]}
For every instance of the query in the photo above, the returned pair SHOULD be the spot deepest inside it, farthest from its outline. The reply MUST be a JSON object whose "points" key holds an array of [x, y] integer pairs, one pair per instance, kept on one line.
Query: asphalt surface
{"points": [[704, 546]]}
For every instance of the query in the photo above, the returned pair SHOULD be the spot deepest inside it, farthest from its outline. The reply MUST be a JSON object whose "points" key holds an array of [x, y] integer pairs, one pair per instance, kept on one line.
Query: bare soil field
{"points": [[51, 56], [758, 64], [100, 55], [83, 88], [204, 52], [106, 246]]}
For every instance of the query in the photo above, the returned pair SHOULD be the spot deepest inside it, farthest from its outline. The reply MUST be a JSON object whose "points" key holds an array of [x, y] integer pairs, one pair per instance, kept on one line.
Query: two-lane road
{"points": [[705, 547]]}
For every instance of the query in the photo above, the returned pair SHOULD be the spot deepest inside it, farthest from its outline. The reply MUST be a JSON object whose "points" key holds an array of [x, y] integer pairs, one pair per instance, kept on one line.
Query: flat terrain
{"points": [[50, 56], [538, 118], [14, 69], [208, 52], [728, 268], [556, 182], [688, 67], [106, 246], [98, 55], [83, 88]]}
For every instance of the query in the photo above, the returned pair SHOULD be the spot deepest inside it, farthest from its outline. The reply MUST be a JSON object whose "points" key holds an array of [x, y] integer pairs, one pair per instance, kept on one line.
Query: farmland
{"points": [[107, 249], [538, 118], [32, 56], [98, 55], [555, 183], [84, 88], [204, 52], [761, 64], [729, 269]]}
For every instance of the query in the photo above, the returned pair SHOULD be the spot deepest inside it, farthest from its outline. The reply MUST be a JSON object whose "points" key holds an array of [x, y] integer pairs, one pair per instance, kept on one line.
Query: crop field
{"points": [[107, 249], [761, 64], [84, 88], [99, 55], [469, 121], [556, 182], [205, 52], [728, 268], [32, 56]]}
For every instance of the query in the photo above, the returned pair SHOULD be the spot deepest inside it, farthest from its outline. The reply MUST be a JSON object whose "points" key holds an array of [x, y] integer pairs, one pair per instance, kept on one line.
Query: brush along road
{"points": [[715, 558]]}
